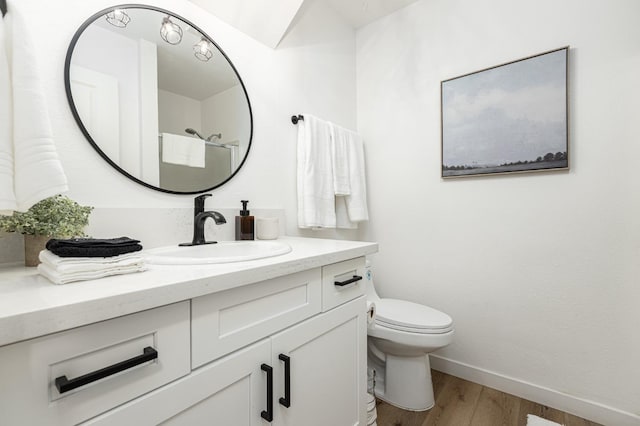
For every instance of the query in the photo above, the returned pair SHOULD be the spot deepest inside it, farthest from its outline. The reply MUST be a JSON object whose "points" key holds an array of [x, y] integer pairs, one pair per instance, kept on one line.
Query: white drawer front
{"points": [[334, 294], [29, 369], [224, 322]]}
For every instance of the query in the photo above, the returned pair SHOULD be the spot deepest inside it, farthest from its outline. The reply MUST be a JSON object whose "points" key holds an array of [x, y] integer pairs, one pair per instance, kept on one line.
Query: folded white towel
{"points": [[316, 199], [72, 265], [64, 278], [37, 170], [340, 138], [63, 270], [7, 195], [184, 150]]}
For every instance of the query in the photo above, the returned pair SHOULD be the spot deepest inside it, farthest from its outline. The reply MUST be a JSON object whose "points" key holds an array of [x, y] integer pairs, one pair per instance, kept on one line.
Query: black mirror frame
{"points": [[85, 132]]}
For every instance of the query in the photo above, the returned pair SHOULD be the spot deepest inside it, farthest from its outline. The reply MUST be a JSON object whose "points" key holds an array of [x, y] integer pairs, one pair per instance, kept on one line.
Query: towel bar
{"points": [[206, 142], [296, 118]]}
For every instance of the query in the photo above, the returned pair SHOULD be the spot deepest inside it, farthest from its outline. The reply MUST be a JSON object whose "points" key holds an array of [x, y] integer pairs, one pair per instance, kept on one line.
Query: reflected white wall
{"points": [[126, 71], [226, 112]]}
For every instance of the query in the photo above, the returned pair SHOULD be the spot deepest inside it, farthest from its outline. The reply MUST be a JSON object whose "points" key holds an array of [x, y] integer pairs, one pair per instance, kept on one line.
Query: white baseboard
{"points": [[590, 410]]}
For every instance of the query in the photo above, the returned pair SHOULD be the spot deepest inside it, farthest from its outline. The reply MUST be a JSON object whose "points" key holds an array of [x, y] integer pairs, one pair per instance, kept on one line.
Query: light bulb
{"points": [[203, 50], [170, 32], [118, 18]]}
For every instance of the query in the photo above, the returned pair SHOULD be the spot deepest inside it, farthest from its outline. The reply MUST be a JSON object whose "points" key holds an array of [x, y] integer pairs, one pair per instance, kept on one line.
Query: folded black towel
{"points": [[93, 242], [93, 247]]}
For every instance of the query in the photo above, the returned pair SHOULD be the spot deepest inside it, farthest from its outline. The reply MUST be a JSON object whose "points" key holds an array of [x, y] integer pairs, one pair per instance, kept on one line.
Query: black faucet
{"points": [[199, 217]]}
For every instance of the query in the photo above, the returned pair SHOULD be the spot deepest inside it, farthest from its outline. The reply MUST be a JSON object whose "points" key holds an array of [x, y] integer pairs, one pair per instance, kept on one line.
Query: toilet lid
{"points": [[409, 316]]}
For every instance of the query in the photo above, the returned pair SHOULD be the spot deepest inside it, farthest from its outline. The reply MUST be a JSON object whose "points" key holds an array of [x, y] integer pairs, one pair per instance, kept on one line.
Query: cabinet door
{"points": [[327, 360], [230, 391]]}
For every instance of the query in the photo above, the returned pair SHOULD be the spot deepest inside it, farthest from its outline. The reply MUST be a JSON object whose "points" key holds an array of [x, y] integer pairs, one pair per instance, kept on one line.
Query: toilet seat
{"points": [[411, 317]]}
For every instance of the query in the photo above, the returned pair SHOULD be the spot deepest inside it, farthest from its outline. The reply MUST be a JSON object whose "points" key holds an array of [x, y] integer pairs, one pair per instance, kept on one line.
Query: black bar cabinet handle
{"points": [[65, 385], [286, 401], [349, 281], [268, 414]]}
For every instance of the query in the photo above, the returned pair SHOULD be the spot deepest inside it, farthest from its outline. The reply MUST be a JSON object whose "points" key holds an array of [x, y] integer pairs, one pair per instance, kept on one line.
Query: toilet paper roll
{"points": [[371, 312], [267, 228]]}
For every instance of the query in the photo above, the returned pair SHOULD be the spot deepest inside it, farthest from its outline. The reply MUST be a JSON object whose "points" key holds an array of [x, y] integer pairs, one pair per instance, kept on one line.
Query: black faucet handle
{"points": [[198, 203]]}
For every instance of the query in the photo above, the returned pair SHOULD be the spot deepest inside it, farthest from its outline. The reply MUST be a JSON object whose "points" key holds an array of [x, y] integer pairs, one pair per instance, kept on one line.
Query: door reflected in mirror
{"points": [[158, 99]]}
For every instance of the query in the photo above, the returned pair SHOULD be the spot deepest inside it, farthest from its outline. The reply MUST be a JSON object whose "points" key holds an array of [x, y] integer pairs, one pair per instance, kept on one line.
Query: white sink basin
{"points": [[222, 252]]}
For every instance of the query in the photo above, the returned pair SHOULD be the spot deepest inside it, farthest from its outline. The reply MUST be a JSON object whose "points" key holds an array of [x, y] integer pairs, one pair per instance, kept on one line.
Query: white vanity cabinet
{"points": [[249, 387], [296, 366], [238, 350]]}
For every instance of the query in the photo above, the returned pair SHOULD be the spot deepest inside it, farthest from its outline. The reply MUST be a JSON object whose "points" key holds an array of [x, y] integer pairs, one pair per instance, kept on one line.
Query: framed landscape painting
{"points": [[510, 118]]}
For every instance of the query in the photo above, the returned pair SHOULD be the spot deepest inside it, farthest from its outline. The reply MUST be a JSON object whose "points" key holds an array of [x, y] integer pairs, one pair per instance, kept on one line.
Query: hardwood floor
{"points": [[463, 403]]}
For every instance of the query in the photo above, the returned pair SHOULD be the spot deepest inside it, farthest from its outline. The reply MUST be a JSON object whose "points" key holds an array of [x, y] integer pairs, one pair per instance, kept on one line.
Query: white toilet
{"points": [[399, 342]]}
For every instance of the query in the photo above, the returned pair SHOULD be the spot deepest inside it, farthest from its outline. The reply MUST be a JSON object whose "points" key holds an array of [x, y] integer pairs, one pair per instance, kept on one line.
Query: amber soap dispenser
{"points": [[244, 224]]}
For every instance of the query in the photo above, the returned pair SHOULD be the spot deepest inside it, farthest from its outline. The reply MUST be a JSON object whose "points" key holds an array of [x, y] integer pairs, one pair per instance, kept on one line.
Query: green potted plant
{"points": [[53, 217]]}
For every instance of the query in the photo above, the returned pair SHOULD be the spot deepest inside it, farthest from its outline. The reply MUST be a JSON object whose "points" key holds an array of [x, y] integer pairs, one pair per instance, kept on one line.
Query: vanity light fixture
{"points": [[170, 32], [203, 50], [118, 18]]}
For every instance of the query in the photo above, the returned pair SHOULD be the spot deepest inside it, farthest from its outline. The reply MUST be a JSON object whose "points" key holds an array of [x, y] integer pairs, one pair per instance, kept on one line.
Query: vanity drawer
{"points": [[341, 282], [226, 321], [155, 343]]}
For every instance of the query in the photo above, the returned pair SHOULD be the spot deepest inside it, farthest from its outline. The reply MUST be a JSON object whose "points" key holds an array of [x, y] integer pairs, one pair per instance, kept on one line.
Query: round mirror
{"points": [[158, 99]]}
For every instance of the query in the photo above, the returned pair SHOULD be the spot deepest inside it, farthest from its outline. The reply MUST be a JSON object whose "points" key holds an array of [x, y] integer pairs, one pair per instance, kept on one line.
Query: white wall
{"points": [[314, 70], [541, 271]]}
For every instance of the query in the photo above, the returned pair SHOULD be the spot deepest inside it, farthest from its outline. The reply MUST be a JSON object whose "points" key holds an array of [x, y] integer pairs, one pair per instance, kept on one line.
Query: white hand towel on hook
{"points": [[316, 199], [183, 150], [37, 170]]}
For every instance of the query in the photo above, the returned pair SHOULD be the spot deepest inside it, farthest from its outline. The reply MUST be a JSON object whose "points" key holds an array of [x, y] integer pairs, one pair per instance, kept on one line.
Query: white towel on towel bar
{"points": [[36, 172], [316, 199], [331, 176], [356, 201], [340, 139], [351, 207], [183, 150]]}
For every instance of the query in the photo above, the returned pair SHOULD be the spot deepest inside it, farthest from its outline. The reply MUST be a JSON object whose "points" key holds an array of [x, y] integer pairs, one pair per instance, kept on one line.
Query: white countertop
{"points": [[32, 306]]}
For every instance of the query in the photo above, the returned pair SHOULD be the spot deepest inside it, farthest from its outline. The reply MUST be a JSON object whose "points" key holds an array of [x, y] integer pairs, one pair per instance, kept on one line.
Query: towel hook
{"points": [[296, 118]]}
